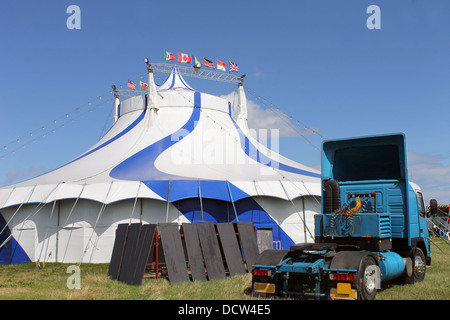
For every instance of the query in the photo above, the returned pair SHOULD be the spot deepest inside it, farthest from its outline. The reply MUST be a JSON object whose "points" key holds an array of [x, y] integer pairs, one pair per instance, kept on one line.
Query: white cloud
{"points": [[432, 174], [13, 177], [259, 118]]}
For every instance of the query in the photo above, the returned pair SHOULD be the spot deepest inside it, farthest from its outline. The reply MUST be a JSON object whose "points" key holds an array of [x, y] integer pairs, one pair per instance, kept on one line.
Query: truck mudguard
{"points": [[349, 259]]}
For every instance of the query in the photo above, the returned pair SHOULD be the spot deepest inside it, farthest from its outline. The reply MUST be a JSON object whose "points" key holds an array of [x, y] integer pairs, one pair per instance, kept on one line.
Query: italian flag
{"points": [[221, 66], [184, 58], [169, 55]]}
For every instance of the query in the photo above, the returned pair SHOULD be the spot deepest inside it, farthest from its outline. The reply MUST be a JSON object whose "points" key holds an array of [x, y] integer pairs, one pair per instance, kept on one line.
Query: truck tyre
{"points": [[366, 281], [366, 277], [332, 196], [419, 266]]}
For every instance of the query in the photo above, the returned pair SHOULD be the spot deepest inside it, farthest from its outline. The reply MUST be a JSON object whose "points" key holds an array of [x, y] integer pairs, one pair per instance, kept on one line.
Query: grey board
{"points": [[194, 252], [118, 249], [128, 264], [173, 252], [211, 250], [230, 248], [264, 238], [144, 247], [248, 241]]}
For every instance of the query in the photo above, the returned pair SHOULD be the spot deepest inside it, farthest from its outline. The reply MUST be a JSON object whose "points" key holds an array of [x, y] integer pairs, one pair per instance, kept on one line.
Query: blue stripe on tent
{"points": [[11, 252], [182, 81], [141, 166], [120, 134], [250, 150], [173, 80], [221, 211], [183, 189]]}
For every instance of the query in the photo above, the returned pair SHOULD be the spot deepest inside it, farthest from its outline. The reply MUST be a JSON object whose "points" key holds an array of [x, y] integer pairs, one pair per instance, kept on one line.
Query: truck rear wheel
{"points": [[367, 279]]}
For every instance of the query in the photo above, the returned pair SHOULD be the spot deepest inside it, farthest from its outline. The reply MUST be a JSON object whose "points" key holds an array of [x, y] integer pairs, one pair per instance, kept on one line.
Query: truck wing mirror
{"points": [[433, 208]]}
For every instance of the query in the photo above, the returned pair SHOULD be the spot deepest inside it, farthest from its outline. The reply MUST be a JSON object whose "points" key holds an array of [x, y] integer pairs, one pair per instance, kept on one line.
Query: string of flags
{"points": [[188, 59]]}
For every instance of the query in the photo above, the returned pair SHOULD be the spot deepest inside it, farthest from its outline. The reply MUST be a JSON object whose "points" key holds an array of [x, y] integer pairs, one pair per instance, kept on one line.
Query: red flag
{"points": [[184, 58], [221, 66]]}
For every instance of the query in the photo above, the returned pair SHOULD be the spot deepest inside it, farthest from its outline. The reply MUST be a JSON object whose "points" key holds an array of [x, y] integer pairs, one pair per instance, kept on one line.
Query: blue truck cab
{"points": [[372, 227]]}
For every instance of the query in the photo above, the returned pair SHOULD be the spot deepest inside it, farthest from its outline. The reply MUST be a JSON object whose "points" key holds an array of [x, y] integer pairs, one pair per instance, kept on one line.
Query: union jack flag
{"points": [[233, 67]]}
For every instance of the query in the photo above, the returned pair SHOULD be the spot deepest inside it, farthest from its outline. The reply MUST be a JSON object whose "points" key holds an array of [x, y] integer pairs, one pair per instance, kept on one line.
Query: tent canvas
{"points": [[174, 154]]}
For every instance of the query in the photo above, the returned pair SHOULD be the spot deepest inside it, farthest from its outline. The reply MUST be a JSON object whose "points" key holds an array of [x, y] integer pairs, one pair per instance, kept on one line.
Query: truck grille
{"points": [[385, 226]]}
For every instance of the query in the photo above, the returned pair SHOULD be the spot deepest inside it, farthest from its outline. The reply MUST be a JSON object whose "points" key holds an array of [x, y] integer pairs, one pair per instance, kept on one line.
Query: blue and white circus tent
{"points": [[173, 155]]}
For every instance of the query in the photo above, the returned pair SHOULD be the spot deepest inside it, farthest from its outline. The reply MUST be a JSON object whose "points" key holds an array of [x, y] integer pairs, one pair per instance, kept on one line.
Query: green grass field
{"points": [[27, 282]]}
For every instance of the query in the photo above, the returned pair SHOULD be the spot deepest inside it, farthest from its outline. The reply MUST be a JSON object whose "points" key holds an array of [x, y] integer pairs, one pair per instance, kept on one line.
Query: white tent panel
{"points": [[121, 190], [19, 195], [42, 193], [66, 191], [132, 104], [26, 235], [292, 189], [181, 98], [215, 103], [205, 153], [5, 194], [71, 244], [145, 192], [158, 211], [75, 222], [97, 191], [120, 125]]}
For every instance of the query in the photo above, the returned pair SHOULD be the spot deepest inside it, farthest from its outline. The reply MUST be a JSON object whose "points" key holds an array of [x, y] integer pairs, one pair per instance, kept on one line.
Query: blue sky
{"points": [[315, 60]]}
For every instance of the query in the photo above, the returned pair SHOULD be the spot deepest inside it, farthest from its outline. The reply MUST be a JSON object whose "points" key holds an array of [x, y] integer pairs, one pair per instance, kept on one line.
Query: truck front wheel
{"points": [[419, 266]]}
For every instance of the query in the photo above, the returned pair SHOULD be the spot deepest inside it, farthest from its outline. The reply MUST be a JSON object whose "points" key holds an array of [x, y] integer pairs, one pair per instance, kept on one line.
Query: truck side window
{"points": [[420, 204]]}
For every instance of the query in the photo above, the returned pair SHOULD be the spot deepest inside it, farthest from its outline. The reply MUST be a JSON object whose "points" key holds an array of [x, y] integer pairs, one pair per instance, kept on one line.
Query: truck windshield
{"points": [[367, 163]]}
